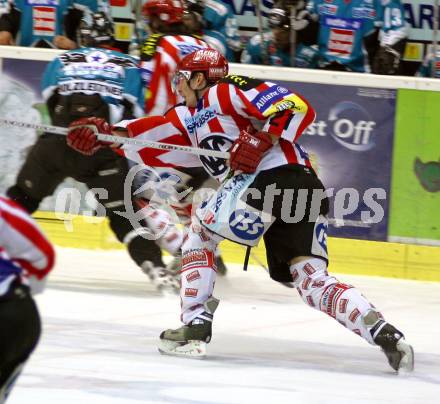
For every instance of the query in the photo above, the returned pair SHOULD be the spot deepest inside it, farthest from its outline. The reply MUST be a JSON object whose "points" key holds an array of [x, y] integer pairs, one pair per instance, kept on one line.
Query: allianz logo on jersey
{"points": [[348, 124], [267, 97], [199, 119]]}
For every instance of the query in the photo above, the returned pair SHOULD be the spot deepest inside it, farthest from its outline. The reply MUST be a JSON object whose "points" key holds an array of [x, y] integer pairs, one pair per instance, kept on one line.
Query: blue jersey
{"points": [[37, 22], [40, 20], [305, 56], [216, 40], [343, 25], [219, 16], [92, 6], [425, 69], [112, 75]]}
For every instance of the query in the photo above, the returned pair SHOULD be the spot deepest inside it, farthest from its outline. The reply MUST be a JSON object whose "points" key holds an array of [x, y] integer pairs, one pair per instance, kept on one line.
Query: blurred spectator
{"points": [[358, 34], [163, 49], [45, 23], [430, 66], [277, 46], [83, 10], [196, 25], [219, 16]]}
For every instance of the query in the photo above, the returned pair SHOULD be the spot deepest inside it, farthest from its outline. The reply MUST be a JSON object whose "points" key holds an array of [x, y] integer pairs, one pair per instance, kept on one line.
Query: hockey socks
{"points": [[351, 309]]}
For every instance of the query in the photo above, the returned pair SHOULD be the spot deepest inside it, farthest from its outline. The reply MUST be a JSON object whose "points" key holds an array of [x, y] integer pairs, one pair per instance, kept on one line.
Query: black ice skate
{"points": [[191, 339], [399, 353]]}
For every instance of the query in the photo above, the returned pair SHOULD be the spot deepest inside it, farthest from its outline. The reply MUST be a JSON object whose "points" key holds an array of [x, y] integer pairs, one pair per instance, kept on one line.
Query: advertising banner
{"points": [[350, 145], [20, 99], [415, 192]]}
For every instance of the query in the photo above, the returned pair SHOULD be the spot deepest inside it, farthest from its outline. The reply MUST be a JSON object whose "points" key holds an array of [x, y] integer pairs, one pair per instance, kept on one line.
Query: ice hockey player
{"points": [[45, 23], [359, 36], [277, 45], [193, 18], [218, 24], [259, 122], [26, 258], [430, 66], [100, 82], [162, 51]]}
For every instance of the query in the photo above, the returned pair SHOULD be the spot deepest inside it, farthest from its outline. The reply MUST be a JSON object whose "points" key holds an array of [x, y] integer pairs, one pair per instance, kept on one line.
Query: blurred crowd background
{"points": [[371, 36]]}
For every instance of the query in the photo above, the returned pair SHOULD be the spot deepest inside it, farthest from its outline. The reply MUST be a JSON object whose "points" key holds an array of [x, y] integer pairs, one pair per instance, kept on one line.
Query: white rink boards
{"points": [[102, 320]]}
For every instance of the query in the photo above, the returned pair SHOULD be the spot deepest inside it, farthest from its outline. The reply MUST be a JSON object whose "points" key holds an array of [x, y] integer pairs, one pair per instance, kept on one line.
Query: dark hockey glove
{"points": [[82, 135], [386, 61], [248, 150]]}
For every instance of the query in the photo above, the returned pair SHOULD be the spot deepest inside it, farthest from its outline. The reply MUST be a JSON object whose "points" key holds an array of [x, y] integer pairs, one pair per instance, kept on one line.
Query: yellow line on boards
{"points": [[406, 261]]}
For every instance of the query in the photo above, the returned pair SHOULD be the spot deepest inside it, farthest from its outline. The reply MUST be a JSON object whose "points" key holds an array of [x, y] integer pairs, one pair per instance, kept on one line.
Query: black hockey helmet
{"points": [[95, 29], [193, 16], [278, 18], [195, 6]]}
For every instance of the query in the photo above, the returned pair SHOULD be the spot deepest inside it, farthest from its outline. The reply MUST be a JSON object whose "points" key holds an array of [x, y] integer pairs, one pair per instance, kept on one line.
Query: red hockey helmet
{"points": [[168, 11], [209, 61]]}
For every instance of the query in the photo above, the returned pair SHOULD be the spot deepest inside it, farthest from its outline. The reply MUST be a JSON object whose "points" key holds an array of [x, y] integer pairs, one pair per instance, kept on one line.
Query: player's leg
{"points": [[41, 173], [109, 172], [350, 308], [299, 249], [198, 276], [324, 292], [19, 335]]}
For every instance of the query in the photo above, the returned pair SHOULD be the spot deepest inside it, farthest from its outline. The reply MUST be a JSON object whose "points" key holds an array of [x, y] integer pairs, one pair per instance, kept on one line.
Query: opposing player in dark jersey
{"points": [[92, 81]]}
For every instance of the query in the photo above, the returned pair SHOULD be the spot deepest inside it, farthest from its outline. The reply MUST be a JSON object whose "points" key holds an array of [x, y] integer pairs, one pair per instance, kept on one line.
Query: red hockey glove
{"points": [[82, 135], [248, 150]]}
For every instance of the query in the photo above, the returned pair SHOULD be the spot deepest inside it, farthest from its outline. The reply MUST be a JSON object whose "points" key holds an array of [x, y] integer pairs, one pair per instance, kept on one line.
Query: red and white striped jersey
{"points": [[225, 109], [158, 129], [24, 251], [160, 55]]}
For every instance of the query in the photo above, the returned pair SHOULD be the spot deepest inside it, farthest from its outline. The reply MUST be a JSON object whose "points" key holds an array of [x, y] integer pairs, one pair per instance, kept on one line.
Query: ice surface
{"points": [[102, 319]]}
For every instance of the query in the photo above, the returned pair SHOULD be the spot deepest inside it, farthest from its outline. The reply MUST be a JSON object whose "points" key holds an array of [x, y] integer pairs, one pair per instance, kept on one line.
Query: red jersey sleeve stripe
{"points": [[170, 49], [288, 150], [36, 238], [225, 92]]}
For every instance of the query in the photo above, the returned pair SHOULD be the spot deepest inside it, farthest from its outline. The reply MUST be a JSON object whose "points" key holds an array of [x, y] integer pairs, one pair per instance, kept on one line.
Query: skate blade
{"points": [[407, 362], [192, 349]]}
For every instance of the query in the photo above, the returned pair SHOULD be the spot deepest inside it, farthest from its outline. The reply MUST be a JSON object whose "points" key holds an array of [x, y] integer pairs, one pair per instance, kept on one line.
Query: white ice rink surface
{"points": [[102, 319]]}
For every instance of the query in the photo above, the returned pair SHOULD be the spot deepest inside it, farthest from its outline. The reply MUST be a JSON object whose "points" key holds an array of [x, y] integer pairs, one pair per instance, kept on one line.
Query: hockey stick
{"points": [[118, 139], [260, 263], [434, 37], [292, 18], [264, 52]]}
